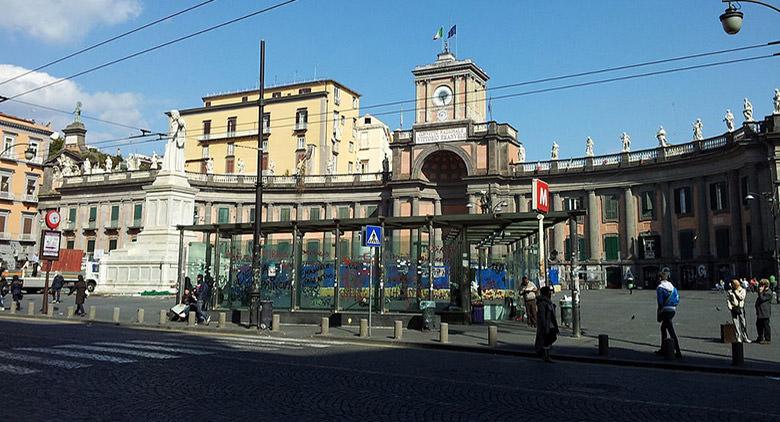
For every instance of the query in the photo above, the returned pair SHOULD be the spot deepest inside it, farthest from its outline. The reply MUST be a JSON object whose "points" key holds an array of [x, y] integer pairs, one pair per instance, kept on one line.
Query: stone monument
{"points": [[555, 151], [747, 110], [661, 136], [729, 119], [698, 128], [589, 147], [625, 139], [776, 99]]}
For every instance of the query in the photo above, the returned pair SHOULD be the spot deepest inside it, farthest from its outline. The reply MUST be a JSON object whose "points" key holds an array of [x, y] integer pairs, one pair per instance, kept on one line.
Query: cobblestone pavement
{"points": [[92, 372]]}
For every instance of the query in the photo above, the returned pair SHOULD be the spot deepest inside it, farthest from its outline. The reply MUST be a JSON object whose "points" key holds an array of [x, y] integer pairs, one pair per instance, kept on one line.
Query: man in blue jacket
{"points": [[668, 299]]}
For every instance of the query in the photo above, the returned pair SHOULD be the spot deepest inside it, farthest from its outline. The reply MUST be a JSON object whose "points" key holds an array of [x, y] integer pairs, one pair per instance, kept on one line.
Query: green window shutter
{"points": [[583, 250], [343, 212], [72, 215], [611, 247], [567, 248], [93, 214], [314, 213], [223, 215], [114, 214], [138, 211], [284, 214]]}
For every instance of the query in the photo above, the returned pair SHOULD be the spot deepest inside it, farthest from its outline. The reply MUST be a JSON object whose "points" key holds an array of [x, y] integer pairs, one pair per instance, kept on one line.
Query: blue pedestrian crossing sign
{"points": [[372, 236]]}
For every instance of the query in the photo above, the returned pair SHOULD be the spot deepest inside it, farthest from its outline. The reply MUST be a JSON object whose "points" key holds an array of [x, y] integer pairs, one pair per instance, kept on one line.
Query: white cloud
{"points": [[62, 21], [121, 107]]}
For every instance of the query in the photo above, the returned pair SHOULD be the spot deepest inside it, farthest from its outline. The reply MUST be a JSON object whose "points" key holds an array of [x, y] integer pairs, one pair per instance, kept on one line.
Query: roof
{"points": [[24, 124], [282, 86]]}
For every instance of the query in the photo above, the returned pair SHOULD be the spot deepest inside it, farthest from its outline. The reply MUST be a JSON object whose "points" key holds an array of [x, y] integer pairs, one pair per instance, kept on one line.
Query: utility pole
{"points": [[255, 295]]}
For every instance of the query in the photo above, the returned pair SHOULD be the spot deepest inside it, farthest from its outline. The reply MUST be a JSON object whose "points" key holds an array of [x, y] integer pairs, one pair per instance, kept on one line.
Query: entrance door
{"points": [[614, 278]]}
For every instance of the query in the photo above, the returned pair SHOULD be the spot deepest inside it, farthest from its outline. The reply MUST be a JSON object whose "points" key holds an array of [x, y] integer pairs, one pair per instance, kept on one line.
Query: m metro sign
{"points": [[541, 196]]}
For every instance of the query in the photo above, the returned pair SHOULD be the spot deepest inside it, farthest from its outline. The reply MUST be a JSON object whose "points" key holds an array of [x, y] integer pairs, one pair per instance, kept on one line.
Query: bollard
{"points": [[139, 317], [30, 307], [115, 318], [222, 320], [71, 311], [276, 322], [363, 327], [163, 317], [398, 332], [667, 347], [192, 320], [737, 354], [324, 325], [13, 308], [92, 312], [444, 332], [50, 311], [492, 336], [603, 345]]}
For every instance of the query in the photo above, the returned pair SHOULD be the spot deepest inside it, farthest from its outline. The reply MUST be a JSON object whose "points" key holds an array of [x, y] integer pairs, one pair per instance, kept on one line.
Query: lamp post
{"points": [[486, 203], [731, 19], [769, 197], [254, 295]]}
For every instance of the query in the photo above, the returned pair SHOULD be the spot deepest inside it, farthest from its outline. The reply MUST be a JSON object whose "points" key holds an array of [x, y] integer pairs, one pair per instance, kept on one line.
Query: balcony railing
{"points": [[27, 237], [301, 125], [286, 181], [30, 198], [6, 195]]}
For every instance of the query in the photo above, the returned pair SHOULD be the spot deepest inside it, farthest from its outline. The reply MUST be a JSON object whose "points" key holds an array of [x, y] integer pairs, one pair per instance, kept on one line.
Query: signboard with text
{"points": [[50, 245], [440, 135], [540, 196]]}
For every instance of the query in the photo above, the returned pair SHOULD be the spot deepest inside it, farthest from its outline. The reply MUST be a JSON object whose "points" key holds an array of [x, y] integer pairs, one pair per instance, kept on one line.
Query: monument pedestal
{"points": [[152, 261]]}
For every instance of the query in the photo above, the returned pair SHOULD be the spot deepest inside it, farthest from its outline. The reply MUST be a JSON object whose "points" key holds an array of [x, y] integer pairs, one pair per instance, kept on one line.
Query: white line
{"points": [[150, 355], [43, 361], [222, 347], [75, 354], [184, 350], [16, 370]]}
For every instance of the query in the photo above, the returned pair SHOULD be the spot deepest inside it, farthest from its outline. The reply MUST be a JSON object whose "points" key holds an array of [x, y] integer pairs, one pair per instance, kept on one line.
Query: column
{"points": [[558, 229], [702, 216], [396, 234], [630, 218], [594, 234], [207, 217], [667, 211], [239, 212], [327, 239], [415, 244], [437, 231], [735, 208]]}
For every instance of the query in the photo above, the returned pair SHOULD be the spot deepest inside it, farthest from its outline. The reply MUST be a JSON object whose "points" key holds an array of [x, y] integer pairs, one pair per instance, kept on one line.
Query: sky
{"points": [[372, 46]]}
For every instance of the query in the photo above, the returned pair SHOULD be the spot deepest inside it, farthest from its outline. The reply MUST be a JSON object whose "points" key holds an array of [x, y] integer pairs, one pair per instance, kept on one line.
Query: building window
{"points": [[304, 91], [33, 147], [5, 184], [648, 205], [683, 203], [231, 125], [301, 142], [687, 244], [223, 215], [349, 166], [32, 185], [231, 149], [244, 99], [354, 103], [92, 214], [312, 249], [8, 142], [649, 247], [138, 210], [207, 127], [208, 104], [343, 120], [90, 248], [719, 196], [343, 212], [3, 220], [115, 216], [371, 210], [252, 214], [743, 186], [336, 95], [314, 213], [72, 214], [70, 244], [230, 164], [27, 224], [363, 166], [722, 243], [351, 146], [276, 95], [582, 248], [111, 244], [610, 207], [363, 140], [205, 151], [612, 247], [301, 118]]}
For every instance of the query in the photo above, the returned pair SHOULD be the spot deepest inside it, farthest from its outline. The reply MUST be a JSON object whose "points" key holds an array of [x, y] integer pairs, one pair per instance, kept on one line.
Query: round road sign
{"points": [[53, 219]]}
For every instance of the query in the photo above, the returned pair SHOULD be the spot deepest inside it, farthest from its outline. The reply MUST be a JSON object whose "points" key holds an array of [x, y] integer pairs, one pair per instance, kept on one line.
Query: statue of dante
{"points": [[747, 110], [729, 119], [698, 128], [555, 150], [626, 140], [661, 135], [173, 160], [589, 147]]}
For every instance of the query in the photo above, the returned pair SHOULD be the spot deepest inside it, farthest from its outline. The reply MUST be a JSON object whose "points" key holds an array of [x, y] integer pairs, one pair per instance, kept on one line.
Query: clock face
{"points": [[441, 115], [442, 96]]}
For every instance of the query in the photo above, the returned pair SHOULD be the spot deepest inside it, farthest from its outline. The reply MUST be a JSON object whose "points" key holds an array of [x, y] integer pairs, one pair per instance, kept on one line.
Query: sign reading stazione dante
{"points": [[440, 135], [540, 196]]}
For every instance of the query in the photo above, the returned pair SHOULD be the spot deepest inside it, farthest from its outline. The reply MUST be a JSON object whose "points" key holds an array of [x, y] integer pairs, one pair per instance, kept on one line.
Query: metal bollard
{"points": [[492, 336], [71, 311], [276, 322], [363, 327], [163, 317], [13, 308], [324, 326], [192, 319], [737, 354], [30, 307], [603, 345], [667, 347], [444, 332], [398, 332], [139, 317], [115, 318], [92, 312], [222, 318]]}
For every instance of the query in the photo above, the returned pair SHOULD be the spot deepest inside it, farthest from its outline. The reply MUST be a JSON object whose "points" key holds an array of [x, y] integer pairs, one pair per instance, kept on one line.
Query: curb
{"points": [[432, 345]]}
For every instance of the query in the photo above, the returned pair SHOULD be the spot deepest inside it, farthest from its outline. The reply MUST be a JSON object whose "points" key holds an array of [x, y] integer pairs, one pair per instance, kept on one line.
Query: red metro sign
{"points": [[540, 196]]}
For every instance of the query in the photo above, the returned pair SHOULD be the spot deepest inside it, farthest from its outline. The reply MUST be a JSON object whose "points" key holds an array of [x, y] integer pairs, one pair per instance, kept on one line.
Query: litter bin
{"points": [[565, 305], [477, 313], [428, 308], [266, 313]]}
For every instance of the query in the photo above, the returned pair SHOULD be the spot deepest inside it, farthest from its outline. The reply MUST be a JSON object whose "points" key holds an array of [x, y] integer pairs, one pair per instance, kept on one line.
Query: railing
{"points": [[6, 195], [226, 135], [712, 143], [104, 177], [30, 198], [29, 237], [683, 149], [645, 155], [291, 180], [301, 125]]}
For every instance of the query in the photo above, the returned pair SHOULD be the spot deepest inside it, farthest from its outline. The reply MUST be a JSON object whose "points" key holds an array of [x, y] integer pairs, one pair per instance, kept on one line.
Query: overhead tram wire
{"points": [[150, 49], [109, 40]]}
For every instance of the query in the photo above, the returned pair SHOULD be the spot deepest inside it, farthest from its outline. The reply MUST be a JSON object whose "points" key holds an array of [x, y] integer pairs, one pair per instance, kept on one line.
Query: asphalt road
{"points": [[99, 372]]}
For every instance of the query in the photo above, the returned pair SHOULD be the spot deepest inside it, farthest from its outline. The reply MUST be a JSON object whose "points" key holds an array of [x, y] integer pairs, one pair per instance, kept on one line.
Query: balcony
{"points": [[6, 195], [112, 225], [91, 225], [30, 198], [5, 236], [69, 225], [27, 237], [137, 223], [301, 125]]}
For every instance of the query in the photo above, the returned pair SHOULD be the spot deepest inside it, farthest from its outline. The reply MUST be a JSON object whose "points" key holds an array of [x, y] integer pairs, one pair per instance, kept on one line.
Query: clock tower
{"points": [[449, 90]]}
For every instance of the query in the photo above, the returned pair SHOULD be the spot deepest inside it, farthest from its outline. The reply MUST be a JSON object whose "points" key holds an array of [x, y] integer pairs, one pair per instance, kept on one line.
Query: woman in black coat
{"points": [[546, 323], [763, 312], [16, 292], [81, 295]]}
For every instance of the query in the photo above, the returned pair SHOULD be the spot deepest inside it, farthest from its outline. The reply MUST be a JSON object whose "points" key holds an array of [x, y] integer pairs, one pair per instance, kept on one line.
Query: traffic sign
{"points": [[540, 196], [372, 236], [52, 219]]}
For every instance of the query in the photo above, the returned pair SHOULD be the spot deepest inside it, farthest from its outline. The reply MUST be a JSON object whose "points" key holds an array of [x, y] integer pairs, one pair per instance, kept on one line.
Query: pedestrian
{"points": [[191, 300], [763, 312], [668, 298], [56, 287], [16, 292], [736, 304], [3, 291], [547, 324], [631, 285], [81, 295], [528, 290], [203, 293]]}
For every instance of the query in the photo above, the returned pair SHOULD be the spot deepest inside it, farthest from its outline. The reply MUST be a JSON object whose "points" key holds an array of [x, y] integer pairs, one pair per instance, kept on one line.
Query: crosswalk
{"points": [[31, 360]]}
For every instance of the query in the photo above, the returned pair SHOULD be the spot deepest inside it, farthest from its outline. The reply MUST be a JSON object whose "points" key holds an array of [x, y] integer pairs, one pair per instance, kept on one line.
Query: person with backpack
{"points": [[16, 292], [56, 287], [736, 304], [668, 298]]}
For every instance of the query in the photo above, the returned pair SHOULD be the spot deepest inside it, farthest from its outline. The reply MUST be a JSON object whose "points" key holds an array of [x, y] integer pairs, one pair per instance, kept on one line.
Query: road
{"points": [[101, 372]]}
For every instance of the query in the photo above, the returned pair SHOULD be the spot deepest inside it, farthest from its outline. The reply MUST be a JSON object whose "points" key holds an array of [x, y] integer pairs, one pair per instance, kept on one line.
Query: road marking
{"points": [[43, 361], [74, 354], [16, 370], [222, 347], [184, 350], [150, 355]]}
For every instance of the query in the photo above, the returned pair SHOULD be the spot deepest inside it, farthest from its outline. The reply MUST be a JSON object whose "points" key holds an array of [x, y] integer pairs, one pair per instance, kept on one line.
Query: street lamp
{"points": [[29, 153], [731, 19], [486, 203], [773, 207]]}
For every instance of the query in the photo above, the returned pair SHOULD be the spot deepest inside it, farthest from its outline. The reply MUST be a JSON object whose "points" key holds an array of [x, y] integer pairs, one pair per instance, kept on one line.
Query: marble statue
{"points": [[209, 165], [155, 161], [109, 164], [173, 160], [661, 135], [77, 112], [777, 101], [521, 154], [87, 166], [132, 162], [56, 177], [331, 166], [271, 167], [729, 119], [747, 110], [698, 128], [589, 147], [385, 164], [241, 166], [555, 150], [626, 140]]}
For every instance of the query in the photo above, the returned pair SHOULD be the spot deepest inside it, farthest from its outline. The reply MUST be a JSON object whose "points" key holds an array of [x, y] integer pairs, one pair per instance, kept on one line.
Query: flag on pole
{"points": [[452, 31], [439, 33]]}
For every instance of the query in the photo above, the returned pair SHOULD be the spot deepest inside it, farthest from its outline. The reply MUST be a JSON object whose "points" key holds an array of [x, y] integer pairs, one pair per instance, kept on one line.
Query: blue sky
{"points": [[372, 47]]}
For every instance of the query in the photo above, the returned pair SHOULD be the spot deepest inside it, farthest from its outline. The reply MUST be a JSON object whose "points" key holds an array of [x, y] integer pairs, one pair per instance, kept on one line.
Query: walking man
{"points": [[763, 312], [668, 299], [528, 291], [16, 292], [56, 287], [547, 324], [81, 295], [736, 303]]}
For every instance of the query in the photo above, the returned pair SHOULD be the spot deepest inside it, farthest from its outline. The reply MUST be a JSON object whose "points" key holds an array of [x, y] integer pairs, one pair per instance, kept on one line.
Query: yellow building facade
{"points": [[308, 127]]}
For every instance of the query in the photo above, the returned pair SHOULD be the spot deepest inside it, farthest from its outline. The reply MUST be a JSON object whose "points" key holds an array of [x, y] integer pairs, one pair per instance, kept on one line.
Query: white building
{"points": [[373, 139]]}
